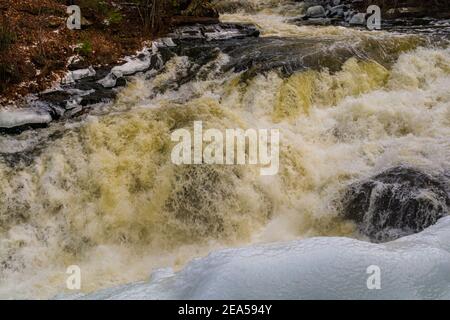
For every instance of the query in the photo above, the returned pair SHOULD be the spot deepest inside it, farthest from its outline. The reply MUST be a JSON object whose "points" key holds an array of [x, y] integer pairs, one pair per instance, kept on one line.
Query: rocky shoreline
{"points": [[85, 83], [83, 89], [37, 48]]}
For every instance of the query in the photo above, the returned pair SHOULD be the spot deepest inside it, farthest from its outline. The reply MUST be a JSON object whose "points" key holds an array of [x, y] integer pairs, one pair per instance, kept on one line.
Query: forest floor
{"points": [[36, 45]]}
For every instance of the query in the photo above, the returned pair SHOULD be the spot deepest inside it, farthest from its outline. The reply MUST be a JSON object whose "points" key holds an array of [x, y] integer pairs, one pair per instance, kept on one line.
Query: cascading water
{"points": [[102, 193]]}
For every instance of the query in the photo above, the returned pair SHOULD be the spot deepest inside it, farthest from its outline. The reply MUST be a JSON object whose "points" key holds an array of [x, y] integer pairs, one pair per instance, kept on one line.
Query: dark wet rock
{"points": [[253, 55], [97, 97], [91, 83], [122, 82], [88, 84], [86, 87], [188, 33], [397, 202], [55, 98], [221, 31]]}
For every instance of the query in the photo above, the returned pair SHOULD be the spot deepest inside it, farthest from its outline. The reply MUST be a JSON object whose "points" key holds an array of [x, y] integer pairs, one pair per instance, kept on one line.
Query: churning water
{"points": [[103, 194]]}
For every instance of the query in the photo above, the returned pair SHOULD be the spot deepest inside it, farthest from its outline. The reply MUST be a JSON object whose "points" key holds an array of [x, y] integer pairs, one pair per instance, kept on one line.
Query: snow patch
{"points": [[76, 75], [133, 65]]}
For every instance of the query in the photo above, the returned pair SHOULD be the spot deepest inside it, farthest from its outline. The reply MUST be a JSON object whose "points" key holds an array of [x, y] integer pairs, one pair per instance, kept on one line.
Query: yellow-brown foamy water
{"points": [[106, 196]]}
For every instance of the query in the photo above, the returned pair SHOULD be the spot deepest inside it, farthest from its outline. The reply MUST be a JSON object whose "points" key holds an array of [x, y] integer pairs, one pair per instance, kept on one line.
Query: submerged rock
{"points": [[398, 202], [315, 12], [337, 11]]}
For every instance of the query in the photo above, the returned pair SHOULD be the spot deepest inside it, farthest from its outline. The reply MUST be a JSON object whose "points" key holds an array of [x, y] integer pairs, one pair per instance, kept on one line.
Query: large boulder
{"points": [[315, 12], [397, 202]]}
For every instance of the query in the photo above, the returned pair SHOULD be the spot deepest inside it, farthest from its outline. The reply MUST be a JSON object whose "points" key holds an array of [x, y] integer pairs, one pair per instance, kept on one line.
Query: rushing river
{"points": [[102, 193]]}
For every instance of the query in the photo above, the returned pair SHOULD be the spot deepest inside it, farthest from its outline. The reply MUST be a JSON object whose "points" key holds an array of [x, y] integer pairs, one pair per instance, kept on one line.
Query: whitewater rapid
{"points": [[102, 193]]}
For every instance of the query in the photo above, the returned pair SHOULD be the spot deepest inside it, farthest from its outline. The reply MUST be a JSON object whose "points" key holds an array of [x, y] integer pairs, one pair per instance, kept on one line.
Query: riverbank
{"points": [[37, 49]]}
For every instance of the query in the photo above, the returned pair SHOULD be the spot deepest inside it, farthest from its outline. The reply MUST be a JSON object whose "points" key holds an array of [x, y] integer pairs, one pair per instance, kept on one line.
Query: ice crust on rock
{"points": [[133, 65], [20, 117]]}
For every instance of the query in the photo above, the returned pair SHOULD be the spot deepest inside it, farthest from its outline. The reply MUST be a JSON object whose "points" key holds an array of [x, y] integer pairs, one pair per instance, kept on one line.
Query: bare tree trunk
{"points": [[154, 15]]}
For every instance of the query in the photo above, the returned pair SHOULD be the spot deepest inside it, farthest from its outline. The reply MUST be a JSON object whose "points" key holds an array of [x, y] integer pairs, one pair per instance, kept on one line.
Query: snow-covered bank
{"points": [[414, 267]]}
